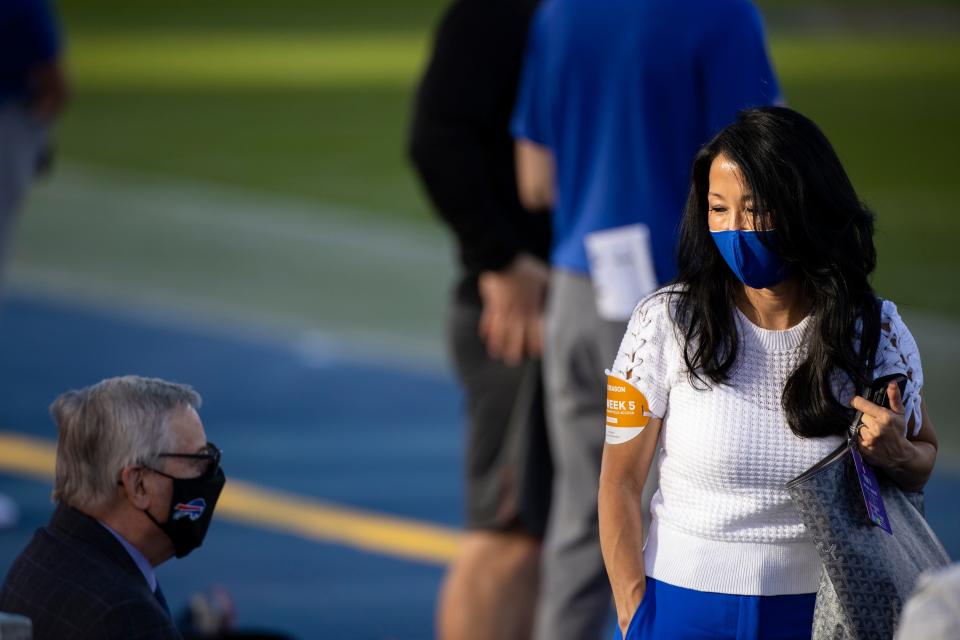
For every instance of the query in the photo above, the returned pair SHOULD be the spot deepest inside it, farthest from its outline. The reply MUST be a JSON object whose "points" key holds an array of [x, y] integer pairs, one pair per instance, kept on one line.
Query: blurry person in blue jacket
{"points": [[33, 91]]}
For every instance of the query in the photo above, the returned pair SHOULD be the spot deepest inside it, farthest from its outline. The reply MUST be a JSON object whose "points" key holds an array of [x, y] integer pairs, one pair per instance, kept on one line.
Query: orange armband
{"points": [[628, 411]]}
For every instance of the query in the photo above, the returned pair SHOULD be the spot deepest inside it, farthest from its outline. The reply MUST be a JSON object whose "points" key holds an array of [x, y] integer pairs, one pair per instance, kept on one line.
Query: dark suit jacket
{"points": [[75, 580]]}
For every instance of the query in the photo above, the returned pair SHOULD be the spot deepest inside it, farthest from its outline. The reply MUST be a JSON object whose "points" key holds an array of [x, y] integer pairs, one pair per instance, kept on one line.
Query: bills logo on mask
{"points": [[190, 510], [189, 517]]}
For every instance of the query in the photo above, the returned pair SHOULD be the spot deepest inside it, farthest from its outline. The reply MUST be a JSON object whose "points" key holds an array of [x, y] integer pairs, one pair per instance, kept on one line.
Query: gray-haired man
{"points": [[136, 483]]}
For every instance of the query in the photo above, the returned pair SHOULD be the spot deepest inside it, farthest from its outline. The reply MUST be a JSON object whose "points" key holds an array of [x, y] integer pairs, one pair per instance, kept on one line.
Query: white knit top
{"points": [[722, 520]]}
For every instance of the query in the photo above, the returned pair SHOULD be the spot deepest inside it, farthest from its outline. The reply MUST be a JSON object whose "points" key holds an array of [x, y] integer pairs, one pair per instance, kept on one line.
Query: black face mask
{"points": [[191, 506]]}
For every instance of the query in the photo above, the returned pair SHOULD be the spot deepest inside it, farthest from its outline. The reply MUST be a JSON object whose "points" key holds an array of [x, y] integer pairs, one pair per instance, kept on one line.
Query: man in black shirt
{"points": [[462, 149]]}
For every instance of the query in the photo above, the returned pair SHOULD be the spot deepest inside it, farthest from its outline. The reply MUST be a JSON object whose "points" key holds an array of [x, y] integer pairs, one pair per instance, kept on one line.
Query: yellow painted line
{"points": [[278, 511], [28, 456]]}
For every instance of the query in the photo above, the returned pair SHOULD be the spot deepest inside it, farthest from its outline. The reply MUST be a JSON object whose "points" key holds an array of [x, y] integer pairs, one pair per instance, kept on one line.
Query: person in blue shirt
{"points": [[33, 91], [615, 99]]}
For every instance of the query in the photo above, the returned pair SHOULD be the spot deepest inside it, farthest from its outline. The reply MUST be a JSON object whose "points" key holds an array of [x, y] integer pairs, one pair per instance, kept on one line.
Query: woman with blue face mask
{"points": [[743, 374]]}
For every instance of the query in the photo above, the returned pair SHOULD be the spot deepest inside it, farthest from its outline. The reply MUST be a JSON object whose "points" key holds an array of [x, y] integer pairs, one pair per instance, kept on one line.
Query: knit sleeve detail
{"points": [[645, 356], [897, 352]]}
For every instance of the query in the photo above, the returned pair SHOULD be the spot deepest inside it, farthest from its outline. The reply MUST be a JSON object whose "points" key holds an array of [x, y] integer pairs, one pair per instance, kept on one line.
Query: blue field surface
{"points": [[376, 437], [353, 431]]}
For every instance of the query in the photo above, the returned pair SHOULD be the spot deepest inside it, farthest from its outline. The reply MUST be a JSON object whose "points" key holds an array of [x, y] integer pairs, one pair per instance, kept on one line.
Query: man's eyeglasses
{"points": [[211, 457]]}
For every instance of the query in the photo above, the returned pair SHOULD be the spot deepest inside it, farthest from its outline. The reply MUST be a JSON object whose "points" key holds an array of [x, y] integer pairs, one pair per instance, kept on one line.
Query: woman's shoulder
{"points": [[898, 352], [897, 344], [891, 323], [659, 305], [651, 327], [893, 330], [649, 354], [890, 315]]}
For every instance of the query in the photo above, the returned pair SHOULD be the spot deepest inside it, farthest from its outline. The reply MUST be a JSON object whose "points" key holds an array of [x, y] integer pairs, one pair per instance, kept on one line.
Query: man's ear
{"points": [[132, 480]]}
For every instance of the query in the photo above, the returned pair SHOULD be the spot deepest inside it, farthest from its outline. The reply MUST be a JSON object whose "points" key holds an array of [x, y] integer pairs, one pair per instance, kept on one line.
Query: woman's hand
{"points": [[907, 460], [881, 434], [632, 605]]}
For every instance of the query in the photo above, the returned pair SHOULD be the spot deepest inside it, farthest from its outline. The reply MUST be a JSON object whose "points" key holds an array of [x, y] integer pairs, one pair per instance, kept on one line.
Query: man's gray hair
{"points": [[107, 426]]}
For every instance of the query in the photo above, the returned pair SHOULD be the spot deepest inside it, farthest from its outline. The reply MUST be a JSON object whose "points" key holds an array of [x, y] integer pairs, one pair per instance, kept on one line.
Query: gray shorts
{"points": [[509, 471]]}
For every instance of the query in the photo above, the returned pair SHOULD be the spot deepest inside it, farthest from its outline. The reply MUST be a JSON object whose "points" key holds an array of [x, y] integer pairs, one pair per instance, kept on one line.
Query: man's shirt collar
{"points": [[141, 561]]}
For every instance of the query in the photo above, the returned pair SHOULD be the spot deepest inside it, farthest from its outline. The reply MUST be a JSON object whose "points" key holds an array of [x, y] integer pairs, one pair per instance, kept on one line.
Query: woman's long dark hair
{"points": [[820, 228]]}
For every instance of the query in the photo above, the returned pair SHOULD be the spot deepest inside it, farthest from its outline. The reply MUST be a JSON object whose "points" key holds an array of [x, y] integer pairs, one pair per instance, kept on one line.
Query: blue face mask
{"points": [[755, 264]]}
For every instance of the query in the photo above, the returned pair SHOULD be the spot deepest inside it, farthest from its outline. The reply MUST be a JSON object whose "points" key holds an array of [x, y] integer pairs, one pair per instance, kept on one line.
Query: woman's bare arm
{"points": [[622, 475]]}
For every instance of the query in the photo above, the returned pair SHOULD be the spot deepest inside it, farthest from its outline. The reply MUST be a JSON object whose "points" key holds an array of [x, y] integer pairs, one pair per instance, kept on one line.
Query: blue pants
{"points": [[676, 613]]}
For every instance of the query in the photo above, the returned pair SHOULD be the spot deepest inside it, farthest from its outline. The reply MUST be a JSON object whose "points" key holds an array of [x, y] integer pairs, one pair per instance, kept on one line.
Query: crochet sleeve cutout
{"points": [[643, 358], [897, 352]]}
